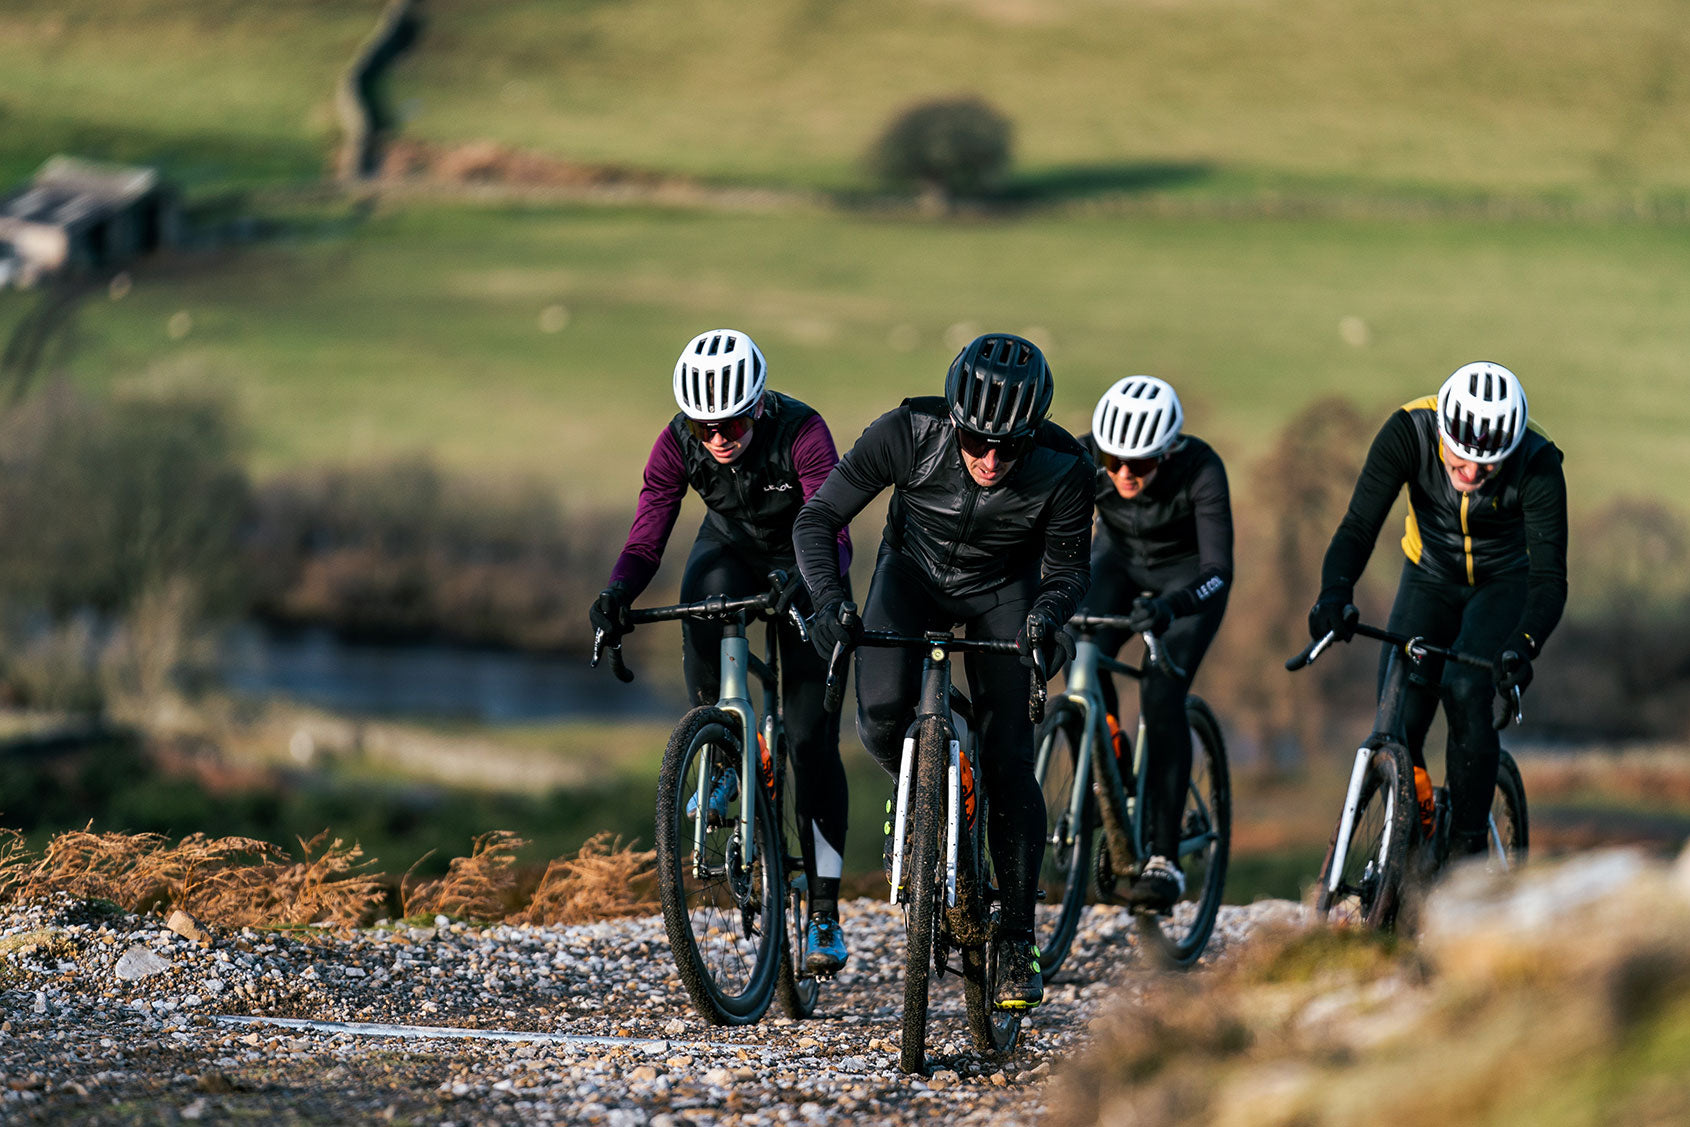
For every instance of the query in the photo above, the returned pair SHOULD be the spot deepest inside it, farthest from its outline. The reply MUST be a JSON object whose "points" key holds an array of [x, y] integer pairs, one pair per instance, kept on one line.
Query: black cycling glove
{"points": [[1513, 666], [1328, 616], [609, 613], [1043, 635], [1150, 613], [831, 626]]}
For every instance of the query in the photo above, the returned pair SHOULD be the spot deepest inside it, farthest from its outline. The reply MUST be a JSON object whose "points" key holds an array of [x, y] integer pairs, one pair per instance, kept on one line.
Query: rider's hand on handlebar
{"points": [[1150, 614], [1333, 614], [831, 627], [1042, 641], [1512, 670], [609, 613]]}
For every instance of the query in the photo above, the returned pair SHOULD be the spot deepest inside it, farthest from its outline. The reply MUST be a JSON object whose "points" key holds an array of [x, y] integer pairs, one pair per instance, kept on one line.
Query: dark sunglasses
{"points": [[733, 429], [1138, 467], [976, 445]]}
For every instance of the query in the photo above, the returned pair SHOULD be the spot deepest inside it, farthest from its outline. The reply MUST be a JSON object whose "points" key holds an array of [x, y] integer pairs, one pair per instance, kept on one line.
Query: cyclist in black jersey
{"points": [[1486, 569], [754, 456], [1163, 557], [989, 527]]}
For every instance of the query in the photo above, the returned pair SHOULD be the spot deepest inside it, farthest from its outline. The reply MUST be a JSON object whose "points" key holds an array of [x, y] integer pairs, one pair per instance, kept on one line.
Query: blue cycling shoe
{"points": [[825, 944], [724, 792]]}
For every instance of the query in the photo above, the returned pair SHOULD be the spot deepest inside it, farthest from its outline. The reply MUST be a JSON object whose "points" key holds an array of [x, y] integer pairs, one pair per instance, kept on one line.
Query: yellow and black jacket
{"points": [[1513, 526]]}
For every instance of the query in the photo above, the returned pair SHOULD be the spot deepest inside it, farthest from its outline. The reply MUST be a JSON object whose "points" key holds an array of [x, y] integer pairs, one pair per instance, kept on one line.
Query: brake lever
{"points": [[1159, 657], [617, 665], [1511, 712]]}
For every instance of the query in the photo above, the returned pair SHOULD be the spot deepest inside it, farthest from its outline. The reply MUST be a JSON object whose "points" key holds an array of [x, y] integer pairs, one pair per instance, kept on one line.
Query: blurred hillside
{"points": [[1571, 98], [424, 401]]}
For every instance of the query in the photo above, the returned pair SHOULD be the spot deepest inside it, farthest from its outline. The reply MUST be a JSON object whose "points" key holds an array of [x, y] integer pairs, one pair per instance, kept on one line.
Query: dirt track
{"points": [[612, 1038]]}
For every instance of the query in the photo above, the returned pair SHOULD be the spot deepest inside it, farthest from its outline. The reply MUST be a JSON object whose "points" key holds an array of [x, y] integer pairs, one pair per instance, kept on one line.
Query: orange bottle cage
{"points": [[969, 799], [766, 762], [1423, 794], [1115, 737]]}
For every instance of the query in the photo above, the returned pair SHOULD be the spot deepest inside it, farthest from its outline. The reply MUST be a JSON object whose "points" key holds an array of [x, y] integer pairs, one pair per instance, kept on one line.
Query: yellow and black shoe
{"points": [[1021, 986]]}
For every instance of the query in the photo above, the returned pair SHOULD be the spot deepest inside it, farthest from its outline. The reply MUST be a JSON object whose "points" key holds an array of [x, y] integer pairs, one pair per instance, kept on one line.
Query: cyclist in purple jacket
{"points": [[754, 456]]}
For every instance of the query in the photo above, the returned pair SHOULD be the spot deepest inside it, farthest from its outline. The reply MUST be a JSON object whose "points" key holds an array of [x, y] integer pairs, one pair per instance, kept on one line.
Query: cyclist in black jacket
{"points": [[1164, 557], [989, 527], [1486, 542], [754, 456]]}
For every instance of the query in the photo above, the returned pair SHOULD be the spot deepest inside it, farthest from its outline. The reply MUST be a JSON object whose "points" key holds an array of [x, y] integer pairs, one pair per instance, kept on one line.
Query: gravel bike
{"points": [[1093, 798], [1380, 842], [729, 834], [941, 871]]}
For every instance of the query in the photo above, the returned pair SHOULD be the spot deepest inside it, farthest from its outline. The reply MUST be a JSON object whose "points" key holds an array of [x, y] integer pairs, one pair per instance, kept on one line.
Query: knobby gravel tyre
{"points": [[1370, 884], [994, 1031], [923, 831], [796, 990], [1508, 812], [725, 928], [1065, 874], [1179, 939]]}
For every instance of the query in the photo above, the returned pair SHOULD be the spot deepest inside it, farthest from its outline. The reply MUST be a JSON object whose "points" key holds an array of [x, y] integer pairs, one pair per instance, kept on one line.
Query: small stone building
{"points": [[76, 216]]}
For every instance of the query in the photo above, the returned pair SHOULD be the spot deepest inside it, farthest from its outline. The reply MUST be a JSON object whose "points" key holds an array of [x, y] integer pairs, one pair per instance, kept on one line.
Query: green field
{"points": [[1556, 98], [421, 330]]}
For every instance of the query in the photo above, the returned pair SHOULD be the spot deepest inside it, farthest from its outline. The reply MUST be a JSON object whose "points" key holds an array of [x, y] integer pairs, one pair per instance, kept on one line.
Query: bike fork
{"points": [[906, 768], [1346, 823]]}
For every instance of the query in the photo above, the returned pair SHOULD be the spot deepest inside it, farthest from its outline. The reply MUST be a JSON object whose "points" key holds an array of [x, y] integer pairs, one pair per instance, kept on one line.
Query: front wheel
{"points": [[1065, 872], [1364, 884], [922, 832], [1508, 837], [1178, 939], [723, 915]]}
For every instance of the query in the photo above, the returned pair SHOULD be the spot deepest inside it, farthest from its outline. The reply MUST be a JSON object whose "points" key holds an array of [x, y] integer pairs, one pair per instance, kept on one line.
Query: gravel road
{"points": [[113, 1018]]}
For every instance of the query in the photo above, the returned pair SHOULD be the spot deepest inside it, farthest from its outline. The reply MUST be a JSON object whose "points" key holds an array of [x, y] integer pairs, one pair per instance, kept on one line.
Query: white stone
{"points": [[140, 962]]}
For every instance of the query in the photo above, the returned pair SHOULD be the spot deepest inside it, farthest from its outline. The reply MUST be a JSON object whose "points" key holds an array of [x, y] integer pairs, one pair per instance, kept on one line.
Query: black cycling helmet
{"points": [[999, 387]]}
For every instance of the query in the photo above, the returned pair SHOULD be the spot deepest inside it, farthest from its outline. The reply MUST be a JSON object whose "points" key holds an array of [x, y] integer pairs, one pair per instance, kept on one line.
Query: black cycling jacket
{"points": [[1514, 523], [1174, 538], [967, 540], [751, 502]]}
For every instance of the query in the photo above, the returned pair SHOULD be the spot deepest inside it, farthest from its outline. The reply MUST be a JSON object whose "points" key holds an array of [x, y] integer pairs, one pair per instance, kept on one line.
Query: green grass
{"points": [[420, 330], [1564, 98]]}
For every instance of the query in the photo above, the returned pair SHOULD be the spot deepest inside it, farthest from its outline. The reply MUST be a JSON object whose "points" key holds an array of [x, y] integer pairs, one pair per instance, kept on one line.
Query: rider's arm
{"points": [[1543, 502], [814, 456], [880, 459], [1066, 574], [1389, 465], [661, 495], [1212, 508]]}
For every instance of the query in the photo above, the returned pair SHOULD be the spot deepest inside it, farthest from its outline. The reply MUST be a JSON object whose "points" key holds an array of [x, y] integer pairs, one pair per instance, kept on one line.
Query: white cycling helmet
{"points": [[1482, 412], [720, 374], [1139, 417]]}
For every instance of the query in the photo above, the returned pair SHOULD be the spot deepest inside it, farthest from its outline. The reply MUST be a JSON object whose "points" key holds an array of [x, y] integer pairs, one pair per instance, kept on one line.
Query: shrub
{"points": [[952, 147]]}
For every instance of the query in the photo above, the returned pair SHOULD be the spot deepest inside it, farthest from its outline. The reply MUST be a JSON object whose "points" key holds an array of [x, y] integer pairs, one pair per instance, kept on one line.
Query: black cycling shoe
{"points": [[1021, 986], [1158, 888]]}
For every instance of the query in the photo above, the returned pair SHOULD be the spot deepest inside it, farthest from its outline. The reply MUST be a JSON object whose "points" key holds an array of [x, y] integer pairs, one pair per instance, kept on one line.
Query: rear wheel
{"points": [[796, 989], [994, 1031], [1508, 839], [921, 878], [1178, 939], [723, 916], [1065, 872], [1368, 881]]}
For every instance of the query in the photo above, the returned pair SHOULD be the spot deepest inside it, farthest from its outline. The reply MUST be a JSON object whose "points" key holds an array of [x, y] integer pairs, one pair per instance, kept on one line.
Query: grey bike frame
{"points": [[1084, 690], [734, 697]]}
